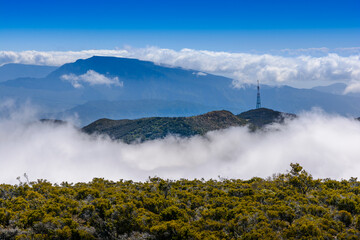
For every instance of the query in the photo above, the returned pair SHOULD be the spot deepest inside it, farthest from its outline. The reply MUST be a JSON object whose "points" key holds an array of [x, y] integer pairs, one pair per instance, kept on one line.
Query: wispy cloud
{"points": [[91, 77], [319, 52], [242, 67]]}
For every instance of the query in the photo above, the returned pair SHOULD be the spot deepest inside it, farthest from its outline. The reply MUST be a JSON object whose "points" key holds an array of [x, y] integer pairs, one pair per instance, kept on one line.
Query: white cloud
{"points": [[306, 51], [199, 74], [243, 67], [327, 146], [91, 77], [353, 87]]}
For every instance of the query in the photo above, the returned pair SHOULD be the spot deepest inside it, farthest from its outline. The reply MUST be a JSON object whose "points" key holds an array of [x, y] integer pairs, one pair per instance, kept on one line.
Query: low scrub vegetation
{"points": [[287, 206]]}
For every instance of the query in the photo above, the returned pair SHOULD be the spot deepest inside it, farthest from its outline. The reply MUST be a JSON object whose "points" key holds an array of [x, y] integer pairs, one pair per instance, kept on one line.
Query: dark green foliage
{"points": [[263, 116], [159, 127], [287, 206]]}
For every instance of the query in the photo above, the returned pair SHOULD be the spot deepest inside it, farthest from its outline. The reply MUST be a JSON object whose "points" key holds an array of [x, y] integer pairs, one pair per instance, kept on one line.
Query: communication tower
{"points": [[258, 100]]}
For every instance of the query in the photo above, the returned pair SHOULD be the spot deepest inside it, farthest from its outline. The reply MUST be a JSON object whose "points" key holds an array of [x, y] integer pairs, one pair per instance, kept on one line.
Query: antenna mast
{"points": [[258, 101]]}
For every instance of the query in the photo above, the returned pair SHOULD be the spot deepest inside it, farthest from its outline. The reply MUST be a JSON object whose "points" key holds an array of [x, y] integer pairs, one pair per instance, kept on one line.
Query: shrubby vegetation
{"points": [[286, 206]]}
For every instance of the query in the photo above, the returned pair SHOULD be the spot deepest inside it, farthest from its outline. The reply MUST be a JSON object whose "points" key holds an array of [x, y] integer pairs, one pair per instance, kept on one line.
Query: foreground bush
{"points": [[286, 206]]}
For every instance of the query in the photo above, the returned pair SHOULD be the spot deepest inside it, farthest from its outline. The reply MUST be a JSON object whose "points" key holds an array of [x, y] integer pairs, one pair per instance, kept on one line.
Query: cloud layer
{"points": [[243, 67], [91, 77], [327, 146]]}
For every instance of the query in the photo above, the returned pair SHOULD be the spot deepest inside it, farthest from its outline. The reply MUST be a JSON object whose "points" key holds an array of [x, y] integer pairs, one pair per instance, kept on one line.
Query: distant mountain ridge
{"points": [[336, 88], [16, 70], [132, 109], [159, 127], [141, 79], [146, 81]]}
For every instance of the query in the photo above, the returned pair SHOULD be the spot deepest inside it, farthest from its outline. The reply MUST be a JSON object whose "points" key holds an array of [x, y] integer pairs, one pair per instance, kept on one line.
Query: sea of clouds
{"points": [[296, 68], [326, 145]]}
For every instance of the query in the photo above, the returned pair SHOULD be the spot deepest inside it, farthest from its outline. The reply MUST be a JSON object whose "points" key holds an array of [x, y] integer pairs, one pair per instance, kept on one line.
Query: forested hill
{"points": [[159, 127], [263, 116]]}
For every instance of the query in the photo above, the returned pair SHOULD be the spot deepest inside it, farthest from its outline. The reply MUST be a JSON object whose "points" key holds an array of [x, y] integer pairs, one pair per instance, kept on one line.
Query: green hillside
{"points": [[159, 127], [263, 116]]}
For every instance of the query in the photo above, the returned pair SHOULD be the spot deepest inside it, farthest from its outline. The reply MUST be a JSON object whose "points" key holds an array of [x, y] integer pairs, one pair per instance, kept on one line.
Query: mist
{"points": [[327, 146]]}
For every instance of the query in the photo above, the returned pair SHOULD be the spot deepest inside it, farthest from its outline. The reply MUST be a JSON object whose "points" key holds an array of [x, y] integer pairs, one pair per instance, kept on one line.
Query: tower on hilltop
{"points": [[258, 100]]}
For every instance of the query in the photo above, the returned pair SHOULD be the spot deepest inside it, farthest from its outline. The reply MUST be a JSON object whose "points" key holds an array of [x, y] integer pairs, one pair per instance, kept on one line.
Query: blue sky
{"points": [[224, 25]]}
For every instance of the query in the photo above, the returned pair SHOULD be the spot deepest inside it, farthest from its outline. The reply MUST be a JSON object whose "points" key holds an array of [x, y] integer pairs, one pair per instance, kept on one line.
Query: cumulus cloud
{"points": [[352, 87], [242, 67], [91, 77], [326, 145]]}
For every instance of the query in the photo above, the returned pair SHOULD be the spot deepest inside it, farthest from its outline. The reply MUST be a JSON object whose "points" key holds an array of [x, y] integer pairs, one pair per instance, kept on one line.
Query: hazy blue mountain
{"points": [[131, 109], [146, 80], [143, 80], [47, 101], [336, 88], [16, 70], [292, 100]]}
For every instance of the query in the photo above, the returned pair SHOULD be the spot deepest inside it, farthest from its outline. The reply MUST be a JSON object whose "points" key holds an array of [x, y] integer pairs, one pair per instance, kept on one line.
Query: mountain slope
{"points": [[16, 70], [141, 80], [336, 88], [292, 100], [157, 127], [146, 80]]}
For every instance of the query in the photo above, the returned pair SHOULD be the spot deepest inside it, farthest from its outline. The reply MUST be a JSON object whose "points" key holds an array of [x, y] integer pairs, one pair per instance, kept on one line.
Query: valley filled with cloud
{"points": [[326, 145]]}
